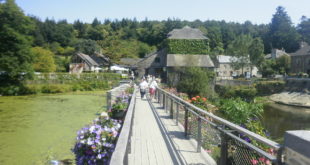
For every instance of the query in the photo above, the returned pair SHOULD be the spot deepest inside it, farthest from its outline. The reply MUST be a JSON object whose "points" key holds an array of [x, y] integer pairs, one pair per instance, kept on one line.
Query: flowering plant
{"points": [[96, 142], [119, 107]]}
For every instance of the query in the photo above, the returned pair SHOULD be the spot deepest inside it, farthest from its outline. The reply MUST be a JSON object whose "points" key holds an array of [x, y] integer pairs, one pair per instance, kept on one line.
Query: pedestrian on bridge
{"points": [[143, 87]]}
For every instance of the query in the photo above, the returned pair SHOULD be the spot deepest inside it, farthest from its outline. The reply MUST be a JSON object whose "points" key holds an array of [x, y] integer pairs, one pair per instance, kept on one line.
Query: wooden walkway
{"points": [[156, 139]]}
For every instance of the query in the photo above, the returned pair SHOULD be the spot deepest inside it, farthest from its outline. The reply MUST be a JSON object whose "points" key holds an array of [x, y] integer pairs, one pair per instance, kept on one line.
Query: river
{"points": [[279, 118], [37, 129]]}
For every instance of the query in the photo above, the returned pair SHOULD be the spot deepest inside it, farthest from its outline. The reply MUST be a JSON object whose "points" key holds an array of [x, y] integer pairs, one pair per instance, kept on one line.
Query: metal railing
{"points": [[122, 149], [226, 142]]}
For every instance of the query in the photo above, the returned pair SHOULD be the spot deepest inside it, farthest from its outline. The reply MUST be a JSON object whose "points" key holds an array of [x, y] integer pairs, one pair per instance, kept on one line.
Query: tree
{"points": [[283, 64], [195, 81], [240, 49], [43, 60], [268, 68], [304, 29], [87, 46], [15, 41], [256, 52], [282, 32]]}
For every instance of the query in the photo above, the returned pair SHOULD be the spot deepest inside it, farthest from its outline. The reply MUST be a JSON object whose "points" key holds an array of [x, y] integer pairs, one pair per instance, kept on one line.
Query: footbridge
{"points": [[169, 130]]}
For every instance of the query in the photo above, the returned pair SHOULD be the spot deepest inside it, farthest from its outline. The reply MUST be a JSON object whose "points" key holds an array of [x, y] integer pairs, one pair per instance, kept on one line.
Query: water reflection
{"points": [[279, 118]]}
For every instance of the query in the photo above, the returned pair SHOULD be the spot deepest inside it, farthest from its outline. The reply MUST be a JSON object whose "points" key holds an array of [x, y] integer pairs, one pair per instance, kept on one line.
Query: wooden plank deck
{"points": [[156, 139]]}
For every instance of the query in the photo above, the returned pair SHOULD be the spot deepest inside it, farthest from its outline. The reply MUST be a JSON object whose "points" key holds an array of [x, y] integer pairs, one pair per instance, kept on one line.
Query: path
{"points": [[156, 139]]}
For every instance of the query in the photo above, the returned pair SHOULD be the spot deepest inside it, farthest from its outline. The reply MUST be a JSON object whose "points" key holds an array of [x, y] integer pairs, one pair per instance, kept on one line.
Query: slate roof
{"points": [[186, 33], [182, 60], [100, 59], [87, 59], [225, 59], [303, 50], [129, 61]]}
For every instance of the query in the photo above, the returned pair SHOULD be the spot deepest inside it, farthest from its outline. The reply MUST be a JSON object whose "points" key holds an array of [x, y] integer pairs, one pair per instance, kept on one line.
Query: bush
{"points": [[269, 87], [55, 88], [240, 112], [247, 93], [195, 81]]}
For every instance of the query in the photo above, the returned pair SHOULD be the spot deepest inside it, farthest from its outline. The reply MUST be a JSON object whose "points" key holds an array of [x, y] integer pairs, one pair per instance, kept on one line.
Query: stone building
{"points": [[163, 61], [82, 62], [224, 69], [276, 53], [300, 60]]}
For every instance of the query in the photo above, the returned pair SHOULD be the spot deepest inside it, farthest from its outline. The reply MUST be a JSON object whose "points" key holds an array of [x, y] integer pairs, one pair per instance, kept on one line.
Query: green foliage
{"points": [[87, 46], [55, 88], [62, 63], [268, 68], [304, 28], [265, 88], [182, 46], [240, 48], [43, 60], [240, 112], [256, 52], [116, 48], [282, 32], [195, 81], [15, 41], [246, 93], [283, 64]]}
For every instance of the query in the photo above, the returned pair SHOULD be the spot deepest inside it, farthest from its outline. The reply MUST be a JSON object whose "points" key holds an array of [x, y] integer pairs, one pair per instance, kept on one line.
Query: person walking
{"points": [[143, 87], [153, 87]]}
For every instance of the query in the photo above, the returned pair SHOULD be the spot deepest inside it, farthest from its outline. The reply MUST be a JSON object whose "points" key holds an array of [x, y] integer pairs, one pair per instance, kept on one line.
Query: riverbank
{"points": [[292, 98]]}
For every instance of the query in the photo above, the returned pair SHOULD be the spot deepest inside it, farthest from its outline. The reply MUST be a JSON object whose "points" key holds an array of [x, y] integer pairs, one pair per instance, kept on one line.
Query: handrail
{"points": [[120, 153], [226, 123]]}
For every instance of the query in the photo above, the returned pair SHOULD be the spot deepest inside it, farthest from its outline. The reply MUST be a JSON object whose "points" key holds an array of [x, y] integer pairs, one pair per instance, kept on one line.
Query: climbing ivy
{"points": [[182, 46]]}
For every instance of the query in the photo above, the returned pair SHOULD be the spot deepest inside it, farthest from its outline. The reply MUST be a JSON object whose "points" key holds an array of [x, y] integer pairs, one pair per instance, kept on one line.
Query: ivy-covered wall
{"points": [[185, 46]]}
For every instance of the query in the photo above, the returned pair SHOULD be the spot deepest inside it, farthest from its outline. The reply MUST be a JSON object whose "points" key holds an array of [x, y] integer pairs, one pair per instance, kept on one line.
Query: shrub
{"points": [[269, 87], [247, 93], [55, 88], [195, 81], [239, 111]]}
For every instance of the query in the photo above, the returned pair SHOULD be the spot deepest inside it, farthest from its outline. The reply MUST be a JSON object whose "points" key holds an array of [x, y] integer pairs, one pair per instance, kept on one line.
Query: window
{"points": [[157, 60]]}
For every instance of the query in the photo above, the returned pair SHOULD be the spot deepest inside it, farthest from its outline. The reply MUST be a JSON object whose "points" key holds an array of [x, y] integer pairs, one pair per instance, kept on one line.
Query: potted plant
{"points": [[118, 110]]}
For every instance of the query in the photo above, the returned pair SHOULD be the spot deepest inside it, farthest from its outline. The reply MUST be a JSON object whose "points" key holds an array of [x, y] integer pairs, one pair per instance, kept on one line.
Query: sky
{"points": [[256, 11]]}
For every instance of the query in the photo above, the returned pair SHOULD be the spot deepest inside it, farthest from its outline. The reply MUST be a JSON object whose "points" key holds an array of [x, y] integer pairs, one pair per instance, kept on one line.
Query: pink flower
{"points": [[268, 162], [254, 161], [262, 159]]}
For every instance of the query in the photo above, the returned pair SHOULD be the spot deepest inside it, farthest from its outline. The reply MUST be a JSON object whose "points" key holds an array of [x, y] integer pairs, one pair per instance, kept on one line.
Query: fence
{"points": [[122, 149], [226, 142]]}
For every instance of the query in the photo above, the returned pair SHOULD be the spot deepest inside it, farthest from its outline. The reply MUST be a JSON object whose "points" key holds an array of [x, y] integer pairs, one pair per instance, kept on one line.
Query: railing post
{"points": [[199, 135], [164, 100], [158, 96], [224, 149], [166, 103], [186, 121], [177, 115], [171, 108], [109, 100]]}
